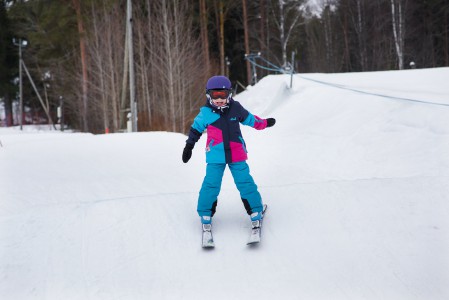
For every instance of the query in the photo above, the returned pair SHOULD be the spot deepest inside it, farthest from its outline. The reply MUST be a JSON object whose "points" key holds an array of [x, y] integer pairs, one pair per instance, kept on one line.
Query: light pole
{"points": [[132, 89], [20, 43], [251, 58]]}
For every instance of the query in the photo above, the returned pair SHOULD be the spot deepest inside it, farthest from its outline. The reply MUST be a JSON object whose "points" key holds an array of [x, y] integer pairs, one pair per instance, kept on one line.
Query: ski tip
{"points": [[208, 244]]}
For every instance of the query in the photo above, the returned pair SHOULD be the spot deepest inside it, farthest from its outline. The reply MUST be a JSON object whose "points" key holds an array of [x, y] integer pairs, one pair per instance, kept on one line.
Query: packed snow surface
{"points": [[355, 173]]}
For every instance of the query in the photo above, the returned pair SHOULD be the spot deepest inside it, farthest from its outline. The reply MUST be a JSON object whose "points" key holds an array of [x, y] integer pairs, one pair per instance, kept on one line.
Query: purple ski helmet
{"points": [[218, 83]]}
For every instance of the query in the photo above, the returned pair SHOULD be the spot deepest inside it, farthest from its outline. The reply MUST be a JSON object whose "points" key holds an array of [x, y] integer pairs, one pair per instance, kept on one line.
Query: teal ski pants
{"points": [[211, 186]]}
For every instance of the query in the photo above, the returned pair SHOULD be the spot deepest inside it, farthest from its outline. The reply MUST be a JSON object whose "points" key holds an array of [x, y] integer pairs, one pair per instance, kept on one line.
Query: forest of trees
{"points": [[76, 51]]}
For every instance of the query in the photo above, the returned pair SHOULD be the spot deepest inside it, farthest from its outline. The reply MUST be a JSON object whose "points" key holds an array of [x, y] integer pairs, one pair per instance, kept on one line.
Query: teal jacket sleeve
{"points": [[197, 129]]}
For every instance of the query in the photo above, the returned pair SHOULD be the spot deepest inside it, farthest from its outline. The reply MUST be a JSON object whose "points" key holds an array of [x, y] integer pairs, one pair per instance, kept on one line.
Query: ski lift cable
{"points": [[252, 60], [373, 94], [269, 63], [265, 68]]}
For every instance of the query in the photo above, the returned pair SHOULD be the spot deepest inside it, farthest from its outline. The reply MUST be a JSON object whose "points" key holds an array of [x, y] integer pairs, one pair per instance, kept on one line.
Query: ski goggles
{"points": [[219, 94]]}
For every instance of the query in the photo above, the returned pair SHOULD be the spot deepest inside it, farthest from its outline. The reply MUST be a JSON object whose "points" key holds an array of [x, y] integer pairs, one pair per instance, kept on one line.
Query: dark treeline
{"points": [[76, 49]]}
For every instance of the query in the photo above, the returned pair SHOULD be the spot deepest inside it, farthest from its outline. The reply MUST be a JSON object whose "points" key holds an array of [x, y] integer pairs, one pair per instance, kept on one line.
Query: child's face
{"points": [[219, 102], [219, 97]]}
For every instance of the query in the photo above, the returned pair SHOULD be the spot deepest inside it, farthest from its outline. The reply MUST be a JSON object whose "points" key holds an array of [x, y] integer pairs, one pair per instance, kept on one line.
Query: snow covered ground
{"points": [[357, 187]]}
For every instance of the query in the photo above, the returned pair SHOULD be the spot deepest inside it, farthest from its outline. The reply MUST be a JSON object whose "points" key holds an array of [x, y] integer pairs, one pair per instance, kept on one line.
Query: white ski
{"points": [[207, 240], [256, 229], [254, 237]]}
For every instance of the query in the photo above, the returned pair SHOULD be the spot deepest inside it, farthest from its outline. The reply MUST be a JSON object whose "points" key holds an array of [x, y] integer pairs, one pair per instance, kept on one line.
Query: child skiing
{"points": [[221, 117]]}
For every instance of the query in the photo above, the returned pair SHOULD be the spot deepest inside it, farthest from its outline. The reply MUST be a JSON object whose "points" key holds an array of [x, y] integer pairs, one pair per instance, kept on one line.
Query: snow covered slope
{"points": [[357, 187]]}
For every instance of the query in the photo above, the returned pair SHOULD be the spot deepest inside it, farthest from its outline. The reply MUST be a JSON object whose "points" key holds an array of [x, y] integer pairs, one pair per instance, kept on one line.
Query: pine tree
{"points": [[8, 58], [50, 29]]}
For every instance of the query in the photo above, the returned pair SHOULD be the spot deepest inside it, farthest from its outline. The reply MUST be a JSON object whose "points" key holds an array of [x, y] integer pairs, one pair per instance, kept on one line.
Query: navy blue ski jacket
{"points": [[225, 142]]}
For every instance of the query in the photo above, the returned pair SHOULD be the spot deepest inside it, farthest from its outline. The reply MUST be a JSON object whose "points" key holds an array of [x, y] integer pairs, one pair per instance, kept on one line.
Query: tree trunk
{"points": [[247, 50], [361, 35], [81, 32], [204, 33], [347, 64], [263, 43], [446, 36], [398, 31], [221, 40], [282, 33], [170, 67]]}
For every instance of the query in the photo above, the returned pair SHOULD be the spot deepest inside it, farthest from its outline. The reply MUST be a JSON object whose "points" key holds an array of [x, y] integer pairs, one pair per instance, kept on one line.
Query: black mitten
{"points": [[187, 153], [271, 122]]}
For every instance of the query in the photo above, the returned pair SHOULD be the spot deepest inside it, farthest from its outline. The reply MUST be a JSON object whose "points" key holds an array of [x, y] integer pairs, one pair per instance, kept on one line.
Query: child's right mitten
{"points": [[187, 153]]}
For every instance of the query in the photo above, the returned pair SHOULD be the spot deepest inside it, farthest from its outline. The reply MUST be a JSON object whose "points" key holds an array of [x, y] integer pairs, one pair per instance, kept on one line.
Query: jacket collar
{"points": [[221, 110]]}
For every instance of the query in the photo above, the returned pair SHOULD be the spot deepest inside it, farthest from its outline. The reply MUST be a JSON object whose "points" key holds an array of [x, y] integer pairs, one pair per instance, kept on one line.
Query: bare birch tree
{"points": [[177, 58], [398, 22], [360, 29], [106, 35], [287, 14], [204, 33]]}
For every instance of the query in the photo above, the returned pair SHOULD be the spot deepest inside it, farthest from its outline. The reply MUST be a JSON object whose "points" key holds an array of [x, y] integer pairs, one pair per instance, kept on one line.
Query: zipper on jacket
{"points": [[226, 136]]}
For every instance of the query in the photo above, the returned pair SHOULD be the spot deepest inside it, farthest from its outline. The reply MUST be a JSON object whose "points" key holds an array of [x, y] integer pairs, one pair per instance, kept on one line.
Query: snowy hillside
{"points": [[357, 188]]}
